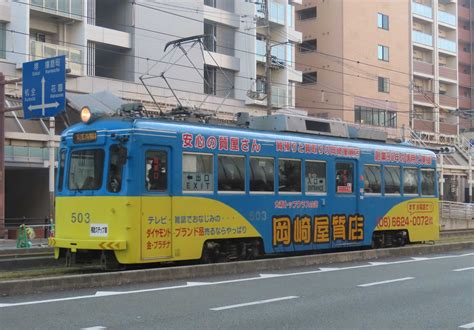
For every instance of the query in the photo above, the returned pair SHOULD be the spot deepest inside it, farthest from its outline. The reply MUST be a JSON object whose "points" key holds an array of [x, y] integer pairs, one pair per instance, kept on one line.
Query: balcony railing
{"points": [[423, 67], [422, 10], [422, 38], [446, 18], [278, 53], [67, 8], [280, 97], [446, 44], [447, 73], [425, 97], [464, 102], [40, 50], [448, 101], [422, 125], [448, 129], [276, 13]]}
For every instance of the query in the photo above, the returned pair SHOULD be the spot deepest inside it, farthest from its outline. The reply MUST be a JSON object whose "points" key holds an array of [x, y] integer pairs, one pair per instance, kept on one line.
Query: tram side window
{"points": [[344, 178], [410, 181], [198, 173], [62, 161], [231, 173], [372, 179], [156, 169], [116, 163], [428, 182], [392, 179], [86, 169], [262, 176], [289, 178], [315, 177]]}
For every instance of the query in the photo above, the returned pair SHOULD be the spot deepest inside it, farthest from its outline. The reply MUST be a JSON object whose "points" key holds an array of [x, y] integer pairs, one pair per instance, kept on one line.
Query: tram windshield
{"points": [[86, 169]]}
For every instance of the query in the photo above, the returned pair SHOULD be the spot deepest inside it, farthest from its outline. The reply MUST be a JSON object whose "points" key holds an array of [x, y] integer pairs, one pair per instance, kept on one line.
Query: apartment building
{"points": [[110, 44], [354, 59], [466, 65]]}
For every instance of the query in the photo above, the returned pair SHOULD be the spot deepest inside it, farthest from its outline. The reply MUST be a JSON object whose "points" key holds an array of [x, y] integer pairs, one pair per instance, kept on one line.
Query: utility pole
{"points": [[3, 82], [268, 59]]}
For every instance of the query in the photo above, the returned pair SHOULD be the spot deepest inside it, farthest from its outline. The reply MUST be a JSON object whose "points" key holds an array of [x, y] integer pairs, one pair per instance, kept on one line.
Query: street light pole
{"points": [[268, 59]]}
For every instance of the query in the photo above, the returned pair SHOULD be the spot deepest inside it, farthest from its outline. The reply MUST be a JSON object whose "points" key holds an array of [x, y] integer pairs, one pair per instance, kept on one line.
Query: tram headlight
{"points": [[86, 115]]}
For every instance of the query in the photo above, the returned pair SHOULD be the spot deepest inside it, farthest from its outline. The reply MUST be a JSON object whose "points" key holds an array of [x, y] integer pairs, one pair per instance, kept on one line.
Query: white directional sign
{"points": [[44, 87]]}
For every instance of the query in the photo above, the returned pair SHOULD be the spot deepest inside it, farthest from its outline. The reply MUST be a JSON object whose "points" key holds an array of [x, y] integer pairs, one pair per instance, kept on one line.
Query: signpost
{"points": [[44, 95]]}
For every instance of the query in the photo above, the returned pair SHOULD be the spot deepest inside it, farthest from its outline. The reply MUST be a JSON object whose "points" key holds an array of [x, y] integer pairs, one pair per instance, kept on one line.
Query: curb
{"points": [[100, 280]]}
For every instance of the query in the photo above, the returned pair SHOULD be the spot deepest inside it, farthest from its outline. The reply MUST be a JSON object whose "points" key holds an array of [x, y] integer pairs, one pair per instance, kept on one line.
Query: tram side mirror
{"points": [[122, 151]]}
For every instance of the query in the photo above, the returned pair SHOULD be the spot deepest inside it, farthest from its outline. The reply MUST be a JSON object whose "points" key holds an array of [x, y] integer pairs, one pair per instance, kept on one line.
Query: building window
{"points": [[384, 85], [383, 53], [382, 21], [219, 82], [3, 37], [308, 46], [307, 13], [310, 78], [375, 117]]}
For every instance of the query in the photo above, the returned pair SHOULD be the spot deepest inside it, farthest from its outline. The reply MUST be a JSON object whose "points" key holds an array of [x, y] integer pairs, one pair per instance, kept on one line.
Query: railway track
{"points": [[16, 265]]}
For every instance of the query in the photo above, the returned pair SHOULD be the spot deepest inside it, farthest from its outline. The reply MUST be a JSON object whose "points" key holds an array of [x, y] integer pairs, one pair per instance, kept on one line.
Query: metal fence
{"points": [[456, 211]]}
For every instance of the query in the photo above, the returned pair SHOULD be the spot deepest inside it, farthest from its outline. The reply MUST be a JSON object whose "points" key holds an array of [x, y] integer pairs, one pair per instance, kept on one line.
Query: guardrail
{"points": [[457, 211]]}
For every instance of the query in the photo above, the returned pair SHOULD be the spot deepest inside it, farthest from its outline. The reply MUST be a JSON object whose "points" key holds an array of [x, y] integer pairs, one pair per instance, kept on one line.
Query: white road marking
{"points": [[197, 283], [94, 328], [462, 269], [258, 302], [420, 258], [328, 269], [385, 282], [217, 283], [381, 263], [467, 326], [269, 275], [106, 293]]}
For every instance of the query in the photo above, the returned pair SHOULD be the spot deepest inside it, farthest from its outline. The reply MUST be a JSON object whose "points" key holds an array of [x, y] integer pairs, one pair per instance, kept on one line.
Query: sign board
{"points": [[44, 87]]}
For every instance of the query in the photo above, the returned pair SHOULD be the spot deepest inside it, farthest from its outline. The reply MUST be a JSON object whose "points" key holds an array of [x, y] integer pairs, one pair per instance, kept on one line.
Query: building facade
{"points": [[110, 45]]}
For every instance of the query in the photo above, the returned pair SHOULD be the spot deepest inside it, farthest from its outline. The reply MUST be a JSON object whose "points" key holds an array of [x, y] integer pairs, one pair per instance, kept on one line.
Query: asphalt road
{"points": [[431, 291]]}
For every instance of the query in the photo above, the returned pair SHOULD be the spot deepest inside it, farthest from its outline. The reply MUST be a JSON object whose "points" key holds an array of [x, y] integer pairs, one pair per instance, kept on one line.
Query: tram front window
{"points": [[86, 169]]}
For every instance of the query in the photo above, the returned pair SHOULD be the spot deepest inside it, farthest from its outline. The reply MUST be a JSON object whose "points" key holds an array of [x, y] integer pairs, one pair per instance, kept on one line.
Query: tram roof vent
{"points": [[300, 124]]}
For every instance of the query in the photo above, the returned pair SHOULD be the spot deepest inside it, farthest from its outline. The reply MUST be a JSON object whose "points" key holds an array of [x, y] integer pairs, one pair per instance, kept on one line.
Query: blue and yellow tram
{"points": [[146, 190]]}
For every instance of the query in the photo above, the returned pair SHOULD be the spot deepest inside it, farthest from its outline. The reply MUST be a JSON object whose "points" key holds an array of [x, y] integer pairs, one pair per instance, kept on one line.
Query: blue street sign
{"points": [[44, 87]]}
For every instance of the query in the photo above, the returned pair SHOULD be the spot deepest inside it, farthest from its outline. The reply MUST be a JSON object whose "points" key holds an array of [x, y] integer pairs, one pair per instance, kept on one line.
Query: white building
{"points": [[110, 44]]}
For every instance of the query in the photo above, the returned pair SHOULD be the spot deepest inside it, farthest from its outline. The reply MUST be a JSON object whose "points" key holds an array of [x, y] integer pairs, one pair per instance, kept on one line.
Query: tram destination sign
{"points": [[44, 87]]}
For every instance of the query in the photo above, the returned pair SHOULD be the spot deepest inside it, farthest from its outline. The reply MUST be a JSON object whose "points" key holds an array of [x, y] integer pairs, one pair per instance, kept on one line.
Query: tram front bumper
{"points": [[75, 245]]}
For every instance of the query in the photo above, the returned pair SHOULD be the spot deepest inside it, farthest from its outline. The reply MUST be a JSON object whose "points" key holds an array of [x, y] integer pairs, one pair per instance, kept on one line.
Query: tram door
{"points": [[156, 220], [345, 229]]}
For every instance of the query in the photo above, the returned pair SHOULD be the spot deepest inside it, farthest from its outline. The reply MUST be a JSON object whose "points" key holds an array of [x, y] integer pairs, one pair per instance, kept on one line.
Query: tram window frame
{"points": [[405, 169], [370, 185], [296, 189], [241, 170], [150, 169], [211, 174], [115, 169], [340, 175], [90, 183], [306, 182], [424, 170], [61, 170], [385, 169], [259, 180]]}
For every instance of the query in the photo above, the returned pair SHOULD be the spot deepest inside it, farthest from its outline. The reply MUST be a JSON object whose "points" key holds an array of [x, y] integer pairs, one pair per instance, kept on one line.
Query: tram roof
{"points": [[121, 123]]}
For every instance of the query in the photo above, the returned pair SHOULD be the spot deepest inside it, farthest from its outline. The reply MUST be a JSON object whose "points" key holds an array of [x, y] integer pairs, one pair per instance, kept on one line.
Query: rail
{"points": [[457, 211]]}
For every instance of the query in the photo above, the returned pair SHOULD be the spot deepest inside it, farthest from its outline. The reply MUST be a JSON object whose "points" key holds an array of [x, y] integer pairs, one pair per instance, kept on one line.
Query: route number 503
{"points": [[80, 217]]}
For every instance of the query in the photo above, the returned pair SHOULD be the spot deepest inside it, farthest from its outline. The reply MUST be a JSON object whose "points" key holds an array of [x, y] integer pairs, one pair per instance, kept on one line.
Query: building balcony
{"points": [[227, 5], [423, 68], [464, 80], [276, 12], [465, 102], [422, 10], [448, 73], [448, 129], [422, 38], [5, 12], [281, 98], [425, 97], [464, 35], [446, 18], [448, 101], [421, 125], [447, 45], [40, 50], [73, 9], [278, 54], [464, 57]]}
